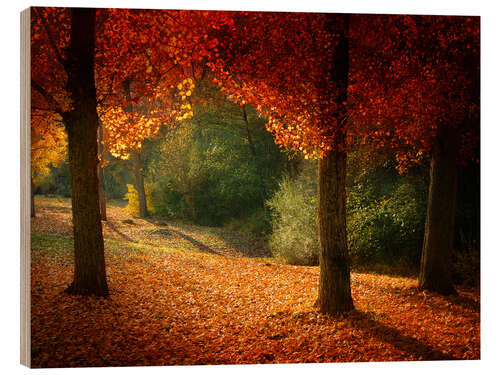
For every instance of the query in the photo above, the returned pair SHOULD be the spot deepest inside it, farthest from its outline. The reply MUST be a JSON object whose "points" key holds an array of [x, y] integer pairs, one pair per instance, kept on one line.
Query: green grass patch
{"points": [[53, 244]]}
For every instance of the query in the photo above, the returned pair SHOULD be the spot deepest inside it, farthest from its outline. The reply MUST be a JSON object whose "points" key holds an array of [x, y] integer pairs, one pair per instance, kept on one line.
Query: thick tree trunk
{"points": [[139, 183], [334, 296], [435, 267], [32, 198], [100, 175], [81, 125]]}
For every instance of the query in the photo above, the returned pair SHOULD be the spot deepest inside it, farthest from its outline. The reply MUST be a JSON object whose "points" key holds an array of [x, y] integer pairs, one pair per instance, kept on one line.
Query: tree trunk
{"points": [[249, 135], [435, 267], [253, 150], [334, 296], [292, 163], [139, 183], [32, 198], [100, 175], [81, 125]]}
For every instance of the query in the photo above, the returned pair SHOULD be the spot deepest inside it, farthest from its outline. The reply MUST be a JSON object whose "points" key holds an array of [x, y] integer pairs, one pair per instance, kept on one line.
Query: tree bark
{"points": [[32, 198], [435, 267], [334, 295], [100, 175], [81, 125], [139, 183]]}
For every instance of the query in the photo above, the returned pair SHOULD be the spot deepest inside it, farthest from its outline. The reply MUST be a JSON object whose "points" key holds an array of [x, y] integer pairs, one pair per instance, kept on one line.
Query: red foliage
{"points": [[410, 75], [283, 64], [407, 76]]}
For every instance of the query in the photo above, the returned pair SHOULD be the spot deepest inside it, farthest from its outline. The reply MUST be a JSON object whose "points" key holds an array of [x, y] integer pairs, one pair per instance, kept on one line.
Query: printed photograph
{"points": [[242, 187]]}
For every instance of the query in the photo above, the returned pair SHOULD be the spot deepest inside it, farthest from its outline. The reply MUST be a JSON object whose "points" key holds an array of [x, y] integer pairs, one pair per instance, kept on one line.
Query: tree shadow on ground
{"points": [[461, 300], [465, 302], [197, 243], [242, 243], [371, 325], [246, 244], [52, 208], [111, 226]]}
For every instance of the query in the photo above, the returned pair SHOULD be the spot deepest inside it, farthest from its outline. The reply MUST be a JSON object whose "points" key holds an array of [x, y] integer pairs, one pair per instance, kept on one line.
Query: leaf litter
{"points": [[174, 302]]}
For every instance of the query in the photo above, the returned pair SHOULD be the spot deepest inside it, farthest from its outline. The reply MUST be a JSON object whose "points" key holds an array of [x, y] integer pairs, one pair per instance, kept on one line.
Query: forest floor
{"points": [[183, 294]]}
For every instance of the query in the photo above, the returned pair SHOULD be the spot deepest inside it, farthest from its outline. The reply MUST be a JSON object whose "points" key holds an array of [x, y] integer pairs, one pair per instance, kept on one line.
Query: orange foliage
{"points": [[407, 76], [412, 74], [142, 66], [48, 142], [282, 64]]}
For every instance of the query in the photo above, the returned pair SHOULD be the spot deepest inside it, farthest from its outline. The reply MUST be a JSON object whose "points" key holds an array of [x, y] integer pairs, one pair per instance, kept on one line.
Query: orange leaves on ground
{"points": [[183, 295]]}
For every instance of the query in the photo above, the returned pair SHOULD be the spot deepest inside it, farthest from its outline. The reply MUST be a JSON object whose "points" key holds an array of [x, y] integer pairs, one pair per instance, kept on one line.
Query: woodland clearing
{"points": [[183, 294]]}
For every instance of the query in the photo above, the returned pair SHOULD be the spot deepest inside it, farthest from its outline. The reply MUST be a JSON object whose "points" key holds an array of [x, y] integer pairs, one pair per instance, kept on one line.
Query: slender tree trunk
{"points": [[32, 198], [254, 154], [100, 175], [249, 135], [292, 163], [435, 267], [139, 183], [81, 125], [334, 296], [137, 164]]}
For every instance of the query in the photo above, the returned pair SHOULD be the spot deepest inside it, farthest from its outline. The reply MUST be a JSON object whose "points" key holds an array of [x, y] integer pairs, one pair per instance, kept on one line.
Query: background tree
{"points": [[147, 88], [422, 98], [100, 172]]}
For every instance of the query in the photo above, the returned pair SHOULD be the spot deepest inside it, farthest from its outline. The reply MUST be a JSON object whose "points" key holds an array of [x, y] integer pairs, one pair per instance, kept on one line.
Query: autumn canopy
{"points": [[325, 83]]}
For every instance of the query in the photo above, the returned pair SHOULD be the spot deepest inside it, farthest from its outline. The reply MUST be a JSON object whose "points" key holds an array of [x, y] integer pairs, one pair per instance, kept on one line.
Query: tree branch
{"points": [[48, 97]]}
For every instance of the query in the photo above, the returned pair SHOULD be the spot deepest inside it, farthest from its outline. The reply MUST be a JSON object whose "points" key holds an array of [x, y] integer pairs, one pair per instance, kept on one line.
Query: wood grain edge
{"points": [[25, 342]]}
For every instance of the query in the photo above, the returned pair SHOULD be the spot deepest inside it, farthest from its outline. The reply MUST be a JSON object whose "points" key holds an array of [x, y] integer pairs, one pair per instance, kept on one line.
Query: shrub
{"points": [[166, 201], [294, 238], [385, 218], [258, 223], [389, 230], [133, 200]]}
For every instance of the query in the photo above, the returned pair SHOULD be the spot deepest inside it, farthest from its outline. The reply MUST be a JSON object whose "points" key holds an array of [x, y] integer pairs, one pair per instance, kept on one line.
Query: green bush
{"points": [[57, 182], [211, 172], [294, 238], [389, 230], [258, 223], [385, 218]]}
